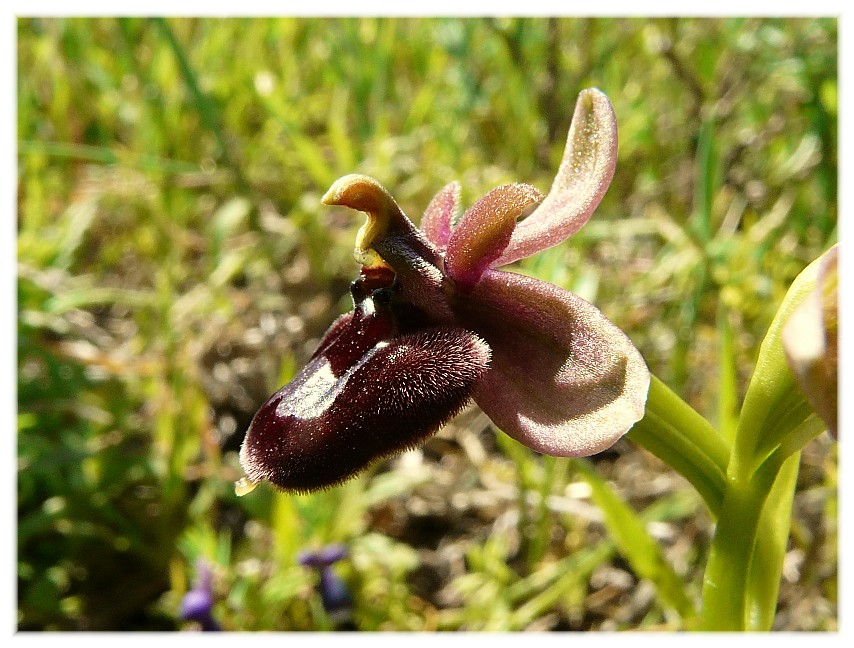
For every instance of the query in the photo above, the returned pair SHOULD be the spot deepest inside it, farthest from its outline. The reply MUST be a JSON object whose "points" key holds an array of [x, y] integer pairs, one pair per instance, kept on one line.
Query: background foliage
{"points": [[175, 266]]}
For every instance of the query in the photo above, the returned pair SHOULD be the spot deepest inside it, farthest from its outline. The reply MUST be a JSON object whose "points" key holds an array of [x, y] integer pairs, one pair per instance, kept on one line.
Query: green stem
{"points": [[745, 558], [795, 442], [682, 438], [766, 565], [675, 433], [726, 578]]}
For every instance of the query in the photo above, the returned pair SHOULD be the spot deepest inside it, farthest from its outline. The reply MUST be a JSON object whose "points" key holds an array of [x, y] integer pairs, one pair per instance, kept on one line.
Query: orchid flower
{"points": [[435, 325]]}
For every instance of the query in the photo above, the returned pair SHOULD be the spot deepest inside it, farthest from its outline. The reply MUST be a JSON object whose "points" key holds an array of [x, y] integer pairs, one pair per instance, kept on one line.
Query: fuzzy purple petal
{"points": [[585, 172], [563, 379], [485, 230], [436, 223], [365, 396]]}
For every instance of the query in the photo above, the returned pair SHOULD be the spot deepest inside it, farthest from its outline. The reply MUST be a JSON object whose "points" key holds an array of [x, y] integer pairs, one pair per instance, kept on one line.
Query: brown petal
{"points": [[563, 379], [389, 238], [585, 172], [485, 230], [385, 218], [436, 223]]}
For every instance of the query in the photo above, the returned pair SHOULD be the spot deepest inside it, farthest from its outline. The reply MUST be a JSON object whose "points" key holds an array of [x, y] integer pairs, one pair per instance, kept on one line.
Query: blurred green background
{"points": [[175, 267]]}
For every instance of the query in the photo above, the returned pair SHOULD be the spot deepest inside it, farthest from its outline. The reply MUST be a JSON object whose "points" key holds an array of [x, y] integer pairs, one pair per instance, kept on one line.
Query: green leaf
{"points": [[728, 379], [766, 567], [629, 533], [563, 578], [706, 168], [675, 433], [773, 405], [95, 295]]}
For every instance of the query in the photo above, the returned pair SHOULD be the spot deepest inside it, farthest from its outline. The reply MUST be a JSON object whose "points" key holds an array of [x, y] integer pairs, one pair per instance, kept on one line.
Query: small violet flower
{"points": [[333, 591], [435, 324], [197, 604]]}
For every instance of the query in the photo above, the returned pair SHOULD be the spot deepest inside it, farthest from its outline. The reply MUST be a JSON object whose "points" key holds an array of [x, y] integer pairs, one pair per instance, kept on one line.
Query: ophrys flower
{"points": [[436, 324]]}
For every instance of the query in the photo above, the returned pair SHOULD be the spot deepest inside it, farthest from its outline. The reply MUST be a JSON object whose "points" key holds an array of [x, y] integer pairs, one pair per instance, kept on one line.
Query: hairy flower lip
{"points": [[367, 393]]}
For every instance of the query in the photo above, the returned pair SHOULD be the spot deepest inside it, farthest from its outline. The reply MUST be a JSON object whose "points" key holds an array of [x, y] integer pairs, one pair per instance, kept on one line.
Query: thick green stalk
{"points": [[675, 433], [726, 580], [774, 424], [766, 566]]}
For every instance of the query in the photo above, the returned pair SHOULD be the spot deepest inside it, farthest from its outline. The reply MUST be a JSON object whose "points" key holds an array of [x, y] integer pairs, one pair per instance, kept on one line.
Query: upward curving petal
{"points": [[485, 230], [389, 240], [437, 219], [563, 379], [582, 179]]}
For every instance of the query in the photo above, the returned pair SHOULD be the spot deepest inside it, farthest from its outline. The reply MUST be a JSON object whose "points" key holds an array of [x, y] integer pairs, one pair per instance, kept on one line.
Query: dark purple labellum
{"points": [[368, 392]]}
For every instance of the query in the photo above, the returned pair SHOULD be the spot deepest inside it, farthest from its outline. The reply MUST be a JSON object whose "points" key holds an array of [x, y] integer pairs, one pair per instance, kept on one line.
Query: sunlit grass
{"points": [[175, 266]]}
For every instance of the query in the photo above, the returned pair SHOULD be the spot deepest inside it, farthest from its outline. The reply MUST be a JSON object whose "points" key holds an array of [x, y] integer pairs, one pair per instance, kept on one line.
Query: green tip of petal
{"points": [[365, 194]]}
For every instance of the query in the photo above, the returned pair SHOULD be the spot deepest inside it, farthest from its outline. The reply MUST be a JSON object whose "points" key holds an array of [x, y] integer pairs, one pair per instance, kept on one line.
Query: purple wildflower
{"points": [[333, 591], [197, 604], [435, 324]]}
